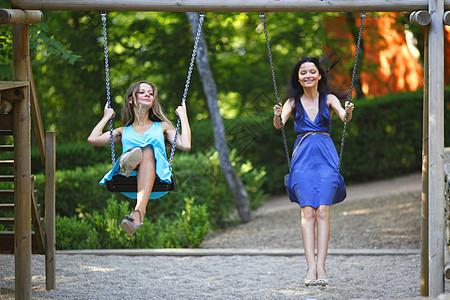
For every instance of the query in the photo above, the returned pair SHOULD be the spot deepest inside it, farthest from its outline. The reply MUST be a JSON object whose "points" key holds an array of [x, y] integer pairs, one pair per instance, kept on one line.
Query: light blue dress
{"points": [[314, 179], [153, 137]]}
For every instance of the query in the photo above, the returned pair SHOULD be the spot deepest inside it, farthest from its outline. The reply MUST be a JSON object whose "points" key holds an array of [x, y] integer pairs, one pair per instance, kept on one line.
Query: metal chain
{"points": [[188, 81], [108, 92], [363, 17], [263, 19]]}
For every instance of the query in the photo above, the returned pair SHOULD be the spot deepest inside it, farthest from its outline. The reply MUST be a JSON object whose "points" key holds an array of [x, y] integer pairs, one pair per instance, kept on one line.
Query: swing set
{"points": [[427, 13], [120, 183]]}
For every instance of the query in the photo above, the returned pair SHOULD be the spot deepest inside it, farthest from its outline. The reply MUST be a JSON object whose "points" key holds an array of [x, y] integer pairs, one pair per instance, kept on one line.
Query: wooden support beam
{"points": [[436, 222], [22, 158], [424, 262], [227, 6], [18, 16], [6, 123], [6, 85], [36, 112], [50, 210]]}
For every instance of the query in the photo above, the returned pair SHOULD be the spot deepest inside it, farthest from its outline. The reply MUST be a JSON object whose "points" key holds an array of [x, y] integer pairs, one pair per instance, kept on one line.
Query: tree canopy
{"points": [[67, 55]]}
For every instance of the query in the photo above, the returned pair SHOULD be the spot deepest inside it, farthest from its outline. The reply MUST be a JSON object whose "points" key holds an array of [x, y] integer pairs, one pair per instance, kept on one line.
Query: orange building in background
{"points": [[391, 61]]}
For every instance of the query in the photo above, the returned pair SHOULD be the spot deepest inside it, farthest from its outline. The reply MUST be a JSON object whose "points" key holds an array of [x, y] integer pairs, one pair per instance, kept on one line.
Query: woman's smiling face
{"points": [[308, 75], [145, 95]]}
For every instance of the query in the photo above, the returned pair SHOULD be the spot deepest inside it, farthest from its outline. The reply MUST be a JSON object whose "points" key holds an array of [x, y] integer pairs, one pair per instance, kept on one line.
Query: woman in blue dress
{"points": [[314, 181], [143, 135]]}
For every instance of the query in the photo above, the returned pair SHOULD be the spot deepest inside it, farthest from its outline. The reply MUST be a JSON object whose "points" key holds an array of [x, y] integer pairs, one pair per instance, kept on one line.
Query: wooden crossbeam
{"points": [[228, 6], [17, 16], [7, 243], [7, 85]]}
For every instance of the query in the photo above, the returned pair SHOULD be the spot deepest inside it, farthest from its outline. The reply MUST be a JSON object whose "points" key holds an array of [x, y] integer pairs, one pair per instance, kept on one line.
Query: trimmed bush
{"points": [[70, 156], [77, 188], [196, 175], [102, 230], [383, 140]]}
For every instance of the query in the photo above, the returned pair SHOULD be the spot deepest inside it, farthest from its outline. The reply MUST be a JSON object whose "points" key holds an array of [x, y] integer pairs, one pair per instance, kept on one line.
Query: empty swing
{"points": [[123, 184], [263, 19]]}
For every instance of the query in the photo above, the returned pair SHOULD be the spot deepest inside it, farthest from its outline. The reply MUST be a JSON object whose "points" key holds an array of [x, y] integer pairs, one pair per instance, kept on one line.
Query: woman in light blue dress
{"points": [[314, 181], [143, 135]]}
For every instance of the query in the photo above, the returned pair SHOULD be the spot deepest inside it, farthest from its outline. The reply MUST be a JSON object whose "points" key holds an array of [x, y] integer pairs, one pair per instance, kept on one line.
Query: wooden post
{"points": [[425, 153], [36, 112], [22, 166], [227, 6], [50, 213], [436, 239]]}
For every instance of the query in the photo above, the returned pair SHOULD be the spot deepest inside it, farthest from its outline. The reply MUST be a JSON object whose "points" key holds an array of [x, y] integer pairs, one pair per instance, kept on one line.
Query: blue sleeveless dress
{"points": [[153, 137], [314, 179]]}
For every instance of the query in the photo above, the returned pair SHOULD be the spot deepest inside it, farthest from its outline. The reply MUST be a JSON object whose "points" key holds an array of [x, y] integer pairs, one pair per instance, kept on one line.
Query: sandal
{"points": [[310, 282], [322, 281], [130, 161], [128, 224]]}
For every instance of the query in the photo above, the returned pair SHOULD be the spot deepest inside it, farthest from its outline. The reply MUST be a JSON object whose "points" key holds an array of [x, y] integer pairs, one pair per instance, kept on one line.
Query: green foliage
{"points": [[48, 46], [384, 139], [102, 230], [106, 231], [73, 155], [200, 176], [67, 57], [72, 233], [197, 176], [77, 188], [189, 229]]}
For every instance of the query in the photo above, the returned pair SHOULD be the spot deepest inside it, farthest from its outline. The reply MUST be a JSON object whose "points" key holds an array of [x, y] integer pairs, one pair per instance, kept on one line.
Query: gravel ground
{"points": [[379, 218], [384, 222], [224, 277]]}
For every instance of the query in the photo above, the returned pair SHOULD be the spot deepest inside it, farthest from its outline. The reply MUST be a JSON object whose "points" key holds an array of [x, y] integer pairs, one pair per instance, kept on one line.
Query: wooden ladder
{"points": [[41, 241], [9, 92]]}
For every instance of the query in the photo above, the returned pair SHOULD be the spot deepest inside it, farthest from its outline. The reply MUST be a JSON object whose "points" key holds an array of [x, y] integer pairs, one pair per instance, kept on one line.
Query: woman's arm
{"points": [[100, 138], [335, 105], [284, 112], [183, 137]]}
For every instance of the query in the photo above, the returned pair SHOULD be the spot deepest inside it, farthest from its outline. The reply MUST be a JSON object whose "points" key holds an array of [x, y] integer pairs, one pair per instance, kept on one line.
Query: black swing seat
{"points": [[119, 183]]}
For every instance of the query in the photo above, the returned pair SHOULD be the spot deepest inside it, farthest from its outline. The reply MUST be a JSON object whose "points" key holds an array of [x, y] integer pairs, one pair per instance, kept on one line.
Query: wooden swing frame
{"points": [[434, 243]]}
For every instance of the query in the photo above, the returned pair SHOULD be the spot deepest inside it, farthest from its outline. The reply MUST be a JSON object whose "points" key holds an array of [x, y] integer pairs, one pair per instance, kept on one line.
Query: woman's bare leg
{"points": [[145, 180], [308, 234], [323, 236]]}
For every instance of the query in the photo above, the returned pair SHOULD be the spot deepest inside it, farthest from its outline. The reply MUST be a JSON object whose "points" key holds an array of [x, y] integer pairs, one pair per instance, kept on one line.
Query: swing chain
{"points": [[263, 19], [363, 18], [188, 81], [108, 92]]}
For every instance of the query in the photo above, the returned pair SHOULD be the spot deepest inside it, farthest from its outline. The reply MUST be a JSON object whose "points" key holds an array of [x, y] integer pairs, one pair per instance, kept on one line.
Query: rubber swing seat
{"points": [[119, 183]]}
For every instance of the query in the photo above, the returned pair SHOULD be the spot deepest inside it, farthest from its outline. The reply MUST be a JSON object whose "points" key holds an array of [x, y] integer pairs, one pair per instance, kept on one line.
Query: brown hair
{"points": [[156, 113]]}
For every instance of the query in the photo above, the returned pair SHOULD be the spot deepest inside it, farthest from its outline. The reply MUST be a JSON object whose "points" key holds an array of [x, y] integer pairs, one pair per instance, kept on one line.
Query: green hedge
{"points": [[196, 175], [101, 230], [384, 139], [73, 155]]}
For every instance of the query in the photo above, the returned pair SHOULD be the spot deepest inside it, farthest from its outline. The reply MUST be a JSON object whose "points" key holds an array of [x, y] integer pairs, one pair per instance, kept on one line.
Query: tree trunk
{"points": [[210, 89]]}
